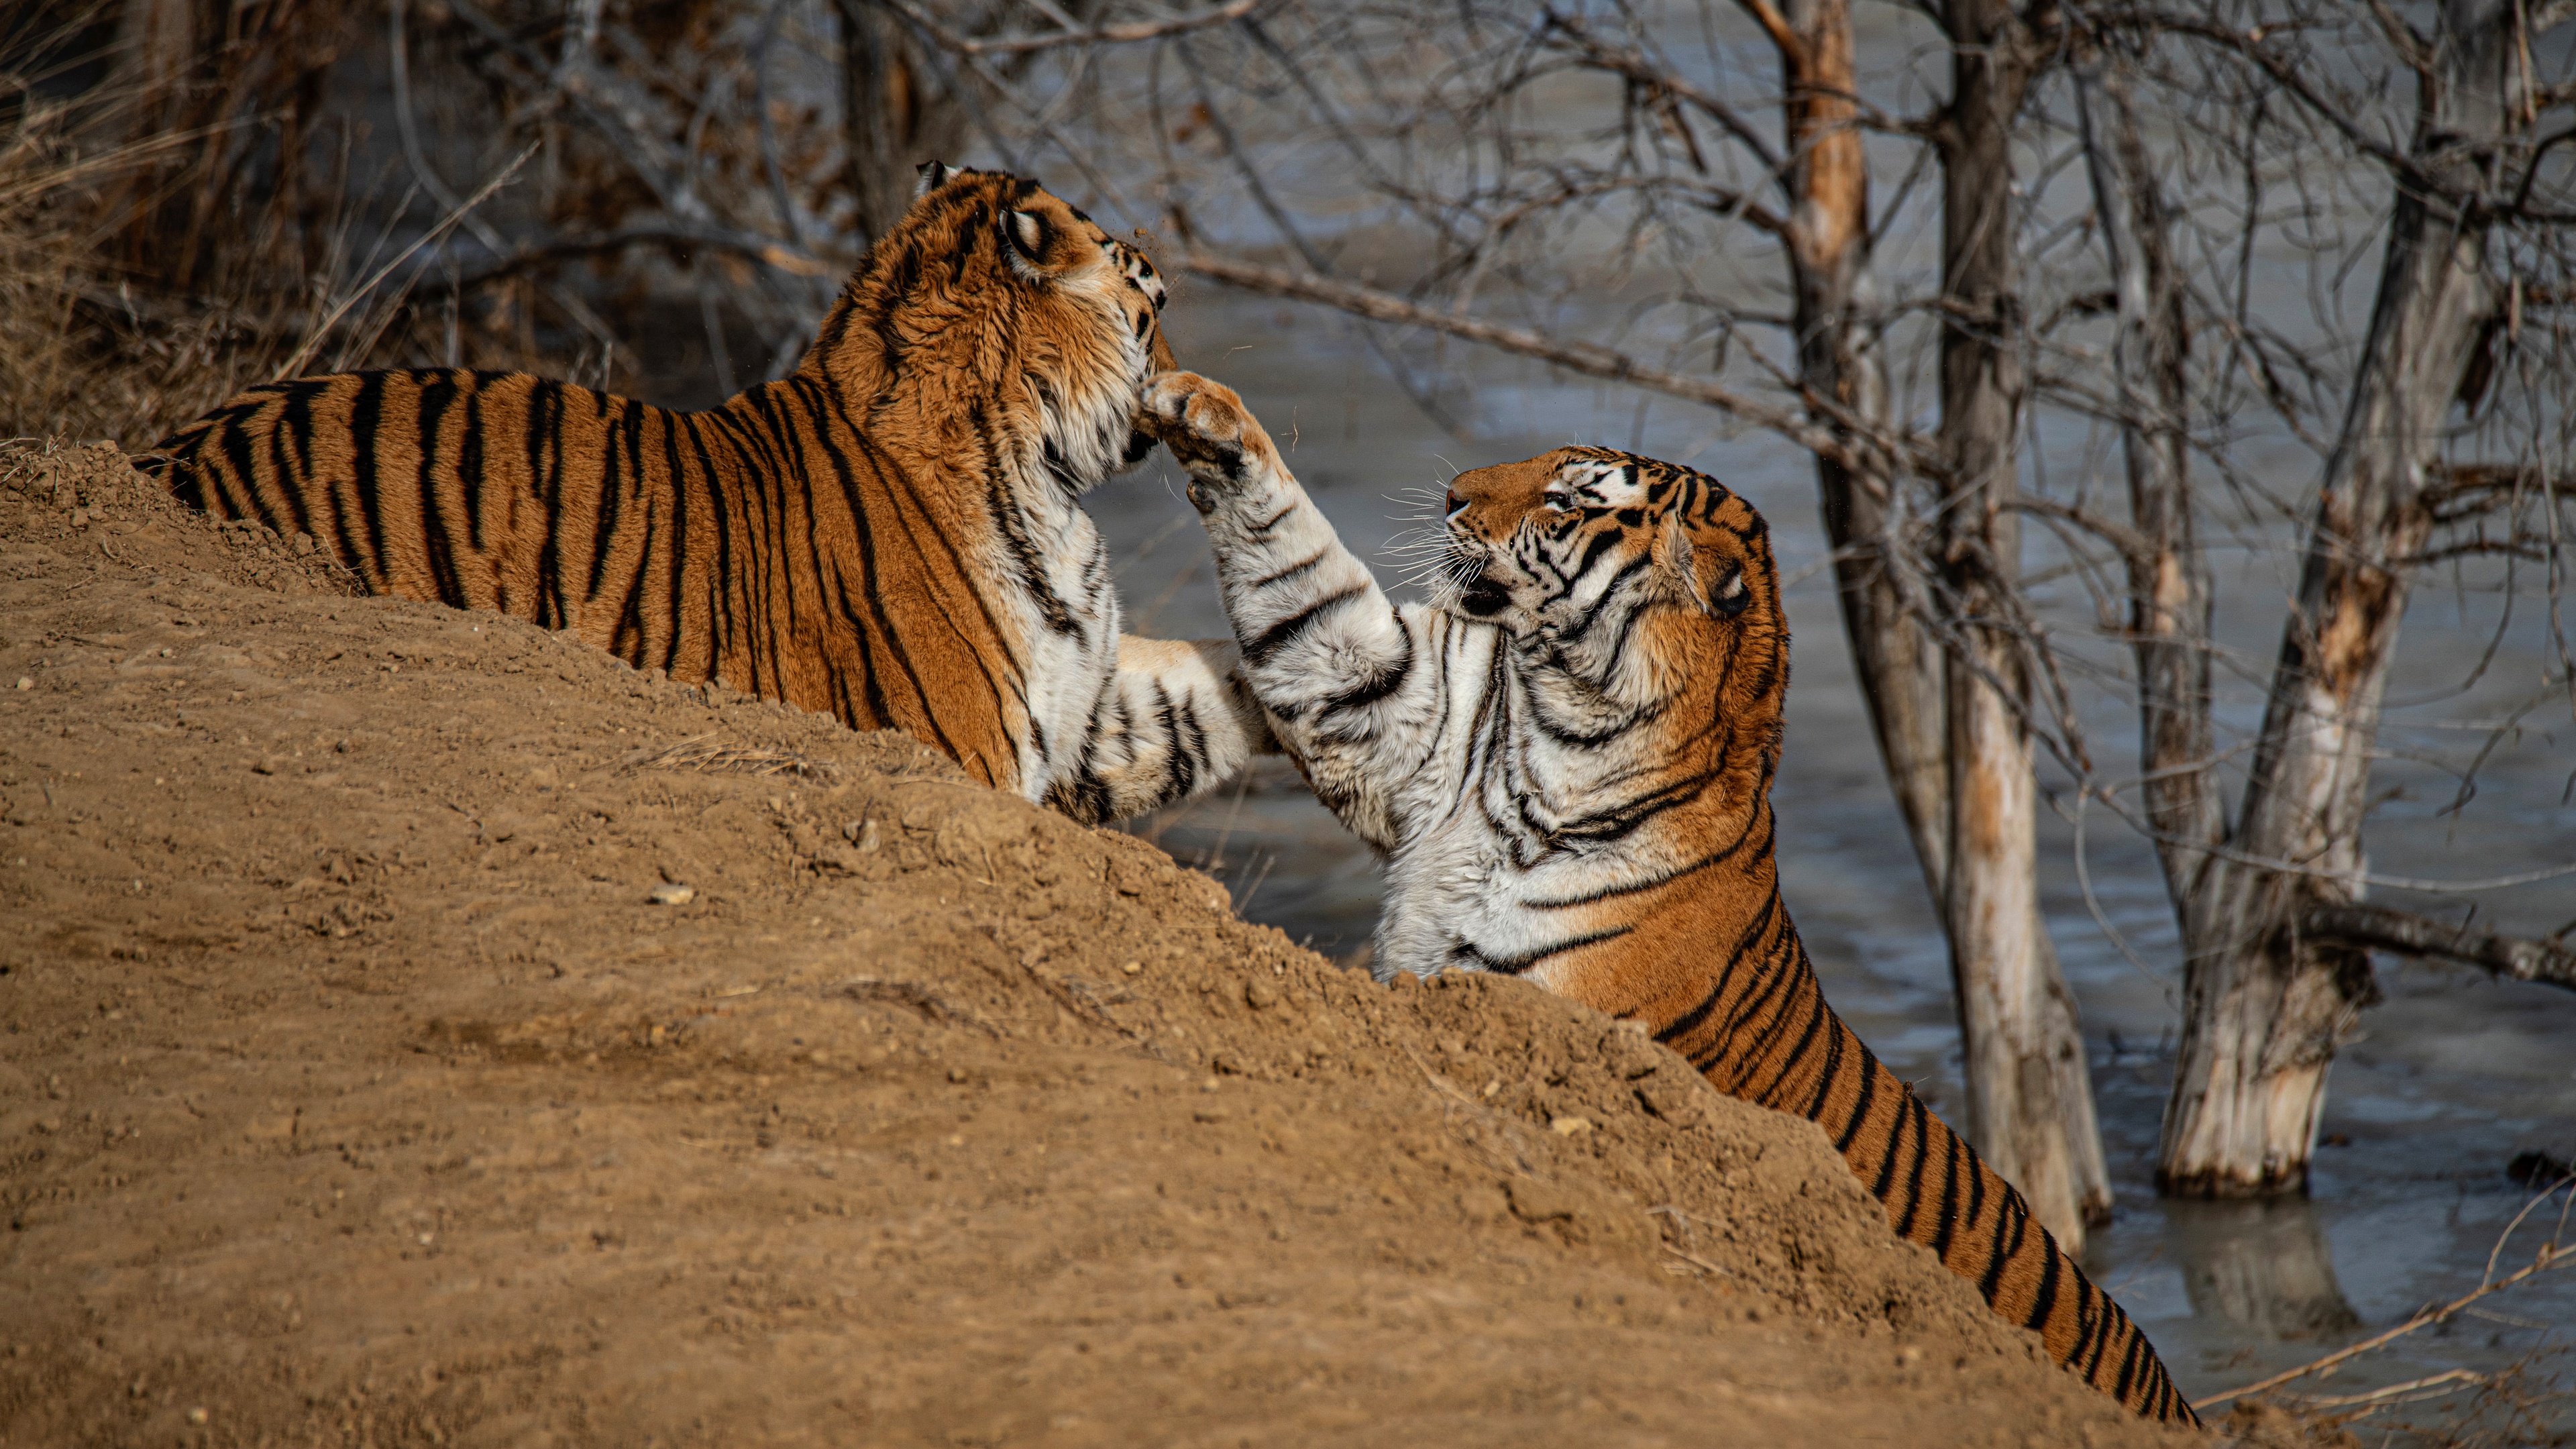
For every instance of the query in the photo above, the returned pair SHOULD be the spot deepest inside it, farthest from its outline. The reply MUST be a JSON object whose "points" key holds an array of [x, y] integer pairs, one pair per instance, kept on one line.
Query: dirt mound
{"points": [[357, 1090]]}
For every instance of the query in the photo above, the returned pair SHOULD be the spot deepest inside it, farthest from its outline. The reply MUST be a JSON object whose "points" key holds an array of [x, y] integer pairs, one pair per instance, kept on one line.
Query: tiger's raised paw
{"points": [[1208, 429]]}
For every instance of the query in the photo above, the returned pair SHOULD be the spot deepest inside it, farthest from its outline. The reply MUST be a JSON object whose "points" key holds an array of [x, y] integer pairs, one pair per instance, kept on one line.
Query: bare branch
{"points": [[2384, 928], [1588, 358], [1126, 34]]}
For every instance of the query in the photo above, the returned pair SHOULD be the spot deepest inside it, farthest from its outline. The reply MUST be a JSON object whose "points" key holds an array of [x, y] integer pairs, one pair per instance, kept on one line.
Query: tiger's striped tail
{"points": [[1768, 1037]]}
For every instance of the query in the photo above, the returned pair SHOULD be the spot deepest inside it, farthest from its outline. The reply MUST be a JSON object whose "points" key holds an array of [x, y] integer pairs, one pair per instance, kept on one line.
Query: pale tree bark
{"points": [[2030, 1096], [1840, 364], [2265, 1005]]}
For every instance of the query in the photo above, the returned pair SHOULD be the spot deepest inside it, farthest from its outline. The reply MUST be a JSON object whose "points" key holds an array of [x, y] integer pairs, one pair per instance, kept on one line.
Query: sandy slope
{"points": [[352, 1091]]}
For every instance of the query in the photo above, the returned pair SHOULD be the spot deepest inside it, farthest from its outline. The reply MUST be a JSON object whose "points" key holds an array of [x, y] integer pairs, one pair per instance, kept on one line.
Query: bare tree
{"points": [[2275, 954], [1657, 179]]}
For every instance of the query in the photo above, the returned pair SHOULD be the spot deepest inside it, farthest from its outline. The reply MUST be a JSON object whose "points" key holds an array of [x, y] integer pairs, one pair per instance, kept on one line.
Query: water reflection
{"points": [[2261, 1267]]}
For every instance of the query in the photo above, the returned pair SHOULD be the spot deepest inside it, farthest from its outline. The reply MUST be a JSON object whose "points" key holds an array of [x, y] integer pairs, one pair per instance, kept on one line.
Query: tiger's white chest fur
{"points": [[1480, 876], [1066, 613]]}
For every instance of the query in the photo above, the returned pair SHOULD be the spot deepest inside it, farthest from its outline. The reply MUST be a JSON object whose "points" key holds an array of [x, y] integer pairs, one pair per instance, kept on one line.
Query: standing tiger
{"points": [[893, 534], [1566, 763]]}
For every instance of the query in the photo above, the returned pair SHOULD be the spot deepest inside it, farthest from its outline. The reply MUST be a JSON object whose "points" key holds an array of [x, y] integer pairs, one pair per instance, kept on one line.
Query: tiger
{"points": [[1565, 761], [892, 534]]}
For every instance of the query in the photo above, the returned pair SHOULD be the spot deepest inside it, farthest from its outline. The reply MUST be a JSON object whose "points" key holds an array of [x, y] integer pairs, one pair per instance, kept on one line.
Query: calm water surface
{"points": [[2449, 1079]]}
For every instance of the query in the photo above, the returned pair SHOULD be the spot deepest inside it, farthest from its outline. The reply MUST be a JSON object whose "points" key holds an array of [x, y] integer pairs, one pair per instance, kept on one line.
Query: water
{"points": [[2451, 1076]]}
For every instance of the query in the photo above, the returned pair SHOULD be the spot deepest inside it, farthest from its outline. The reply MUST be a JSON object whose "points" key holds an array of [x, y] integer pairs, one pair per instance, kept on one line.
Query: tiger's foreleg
{"points": [[1172, 722], [1351, 683]]}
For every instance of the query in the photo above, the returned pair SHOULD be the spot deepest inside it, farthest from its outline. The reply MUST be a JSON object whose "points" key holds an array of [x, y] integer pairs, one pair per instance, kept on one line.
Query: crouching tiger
{"points": [[892, 534], [1566, 762]]}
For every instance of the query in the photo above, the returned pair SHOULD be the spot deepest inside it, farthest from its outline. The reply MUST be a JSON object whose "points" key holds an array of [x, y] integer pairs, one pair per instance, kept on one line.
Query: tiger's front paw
{"points": [[1208, 429]]}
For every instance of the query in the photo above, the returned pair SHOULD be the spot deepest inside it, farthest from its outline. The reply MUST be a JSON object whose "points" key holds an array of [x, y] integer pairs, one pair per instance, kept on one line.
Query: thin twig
{"points": [[1126, 34], [2550, 1256], [296, 361]]}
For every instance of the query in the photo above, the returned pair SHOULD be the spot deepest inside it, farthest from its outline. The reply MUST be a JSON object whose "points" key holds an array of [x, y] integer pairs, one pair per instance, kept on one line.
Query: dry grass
{"points": [[77, 356], [707, 753]]}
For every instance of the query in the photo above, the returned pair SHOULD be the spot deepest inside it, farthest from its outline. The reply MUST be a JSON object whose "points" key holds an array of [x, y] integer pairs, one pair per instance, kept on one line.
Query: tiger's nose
{"points": [[1455, 504]]}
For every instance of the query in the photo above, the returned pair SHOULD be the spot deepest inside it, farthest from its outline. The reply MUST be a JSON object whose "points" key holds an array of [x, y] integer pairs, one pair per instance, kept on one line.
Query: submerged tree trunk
{"points": [[2030, 1097], [2264, 1005], [1894, 654], [1956, 753]]}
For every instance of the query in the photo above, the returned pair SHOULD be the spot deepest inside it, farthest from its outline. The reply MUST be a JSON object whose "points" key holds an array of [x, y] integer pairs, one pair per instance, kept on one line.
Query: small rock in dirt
{"points": [[1538, 1202], [673, 894], [25, 682], [1132, 967], [1569, 1126]]}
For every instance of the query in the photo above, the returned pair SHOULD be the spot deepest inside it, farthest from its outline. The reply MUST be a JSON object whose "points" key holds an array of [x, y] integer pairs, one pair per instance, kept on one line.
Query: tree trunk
{"points": [[2169, 589], [1895, 656], [2030, 1097], [2264, 1008], [893, 116]]}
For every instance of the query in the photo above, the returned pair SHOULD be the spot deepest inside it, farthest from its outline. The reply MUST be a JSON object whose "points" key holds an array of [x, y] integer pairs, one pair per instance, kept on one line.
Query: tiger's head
{"points": [[1636, 575], [992, 282]]}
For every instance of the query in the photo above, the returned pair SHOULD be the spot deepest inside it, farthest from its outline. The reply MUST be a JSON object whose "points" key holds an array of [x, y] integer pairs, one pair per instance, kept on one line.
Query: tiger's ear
{"points": [[934, 175], [1711, 581], [1026, 234]]}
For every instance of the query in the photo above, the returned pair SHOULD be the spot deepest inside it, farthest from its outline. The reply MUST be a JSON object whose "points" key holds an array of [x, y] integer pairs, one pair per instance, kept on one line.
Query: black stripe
{"points": [[469, 468], [2129, 1365], [1684, 1024], [1817, 1015], [1377, 684], [1294, 569], [436, 395], [1860, 1115], [676, 492], [1280, 635], [2050, 1269], [294, 426], [1952, 1150], [1914, 1113], [234, 443], [720, 631], [1515, 965], [366, 419], [612, 487], [2012, 1222], [548, 398]]}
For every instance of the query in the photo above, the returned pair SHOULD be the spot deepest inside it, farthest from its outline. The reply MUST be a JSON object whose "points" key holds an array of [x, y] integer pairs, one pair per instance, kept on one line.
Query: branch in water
{"points": [[2380, 928]]}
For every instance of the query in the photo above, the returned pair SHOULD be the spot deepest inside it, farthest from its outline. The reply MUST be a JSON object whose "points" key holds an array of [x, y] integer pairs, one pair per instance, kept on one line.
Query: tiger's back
{"points": [[661, 536], [1568, 764]]}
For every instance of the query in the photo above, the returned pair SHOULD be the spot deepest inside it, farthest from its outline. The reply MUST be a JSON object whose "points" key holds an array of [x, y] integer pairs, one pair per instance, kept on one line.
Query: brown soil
{"points": [[354, 1092]]}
